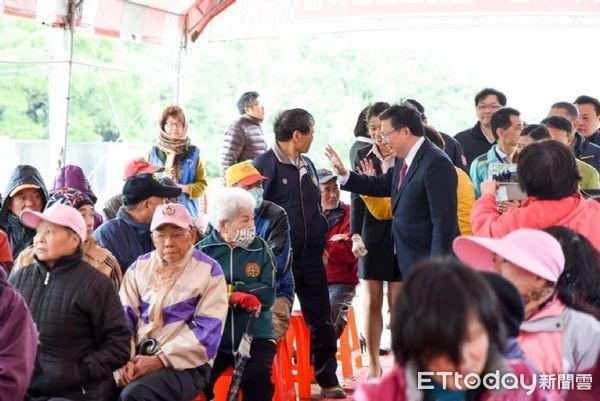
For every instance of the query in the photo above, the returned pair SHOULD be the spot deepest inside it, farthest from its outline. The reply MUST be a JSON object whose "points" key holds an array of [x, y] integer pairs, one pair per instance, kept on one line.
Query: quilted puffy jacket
{"points": [[243, 140], [83, 336]]}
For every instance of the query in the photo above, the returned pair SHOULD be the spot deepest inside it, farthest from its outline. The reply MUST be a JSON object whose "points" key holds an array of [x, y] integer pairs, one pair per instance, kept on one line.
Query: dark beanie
{"points": [[510, 300]]}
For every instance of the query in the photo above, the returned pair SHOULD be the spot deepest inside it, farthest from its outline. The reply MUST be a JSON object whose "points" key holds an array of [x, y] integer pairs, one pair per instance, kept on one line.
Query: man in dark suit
{"points": [[422, 186]]}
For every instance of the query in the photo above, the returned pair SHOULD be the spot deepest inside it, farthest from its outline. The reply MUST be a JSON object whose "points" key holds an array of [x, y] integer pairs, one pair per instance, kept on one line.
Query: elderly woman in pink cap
{"points": [[557, 338], [83, 335], [175, 301]]}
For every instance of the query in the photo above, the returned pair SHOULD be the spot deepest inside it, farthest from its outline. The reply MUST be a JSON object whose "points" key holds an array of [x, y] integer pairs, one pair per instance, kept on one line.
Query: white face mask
{"points": [[257, 194], [244, 237]]}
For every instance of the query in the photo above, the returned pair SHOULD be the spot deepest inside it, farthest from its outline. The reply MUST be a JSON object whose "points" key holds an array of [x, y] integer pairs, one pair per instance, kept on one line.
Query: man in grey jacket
{"points": [[244, 139]]}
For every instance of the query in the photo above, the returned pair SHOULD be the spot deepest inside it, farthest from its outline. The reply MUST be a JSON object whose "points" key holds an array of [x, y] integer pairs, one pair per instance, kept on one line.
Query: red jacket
{"points": [[342, 265], [6, 259], [574, 212]]}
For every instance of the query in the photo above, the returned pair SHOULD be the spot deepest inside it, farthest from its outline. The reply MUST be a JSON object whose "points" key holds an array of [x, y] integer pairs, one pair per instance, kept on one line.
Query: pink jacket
{"points": [[401, 385], [581, 215], [558, 339]]}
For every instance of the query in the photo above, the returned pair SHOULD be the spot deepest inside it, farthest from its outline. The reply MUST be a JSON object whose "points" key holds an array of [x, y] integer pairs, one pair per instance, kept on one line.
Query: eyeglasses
{"points": [[386, 134], [175, 236], [488, 107], [170, 125]]}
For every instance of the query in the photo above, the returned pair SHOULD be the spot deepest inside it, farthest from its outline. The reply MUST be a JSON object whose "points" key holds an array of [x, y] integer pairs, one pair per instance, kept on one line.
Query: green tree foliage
{"points": [[119, 88], [23, 87], [333, 76]]}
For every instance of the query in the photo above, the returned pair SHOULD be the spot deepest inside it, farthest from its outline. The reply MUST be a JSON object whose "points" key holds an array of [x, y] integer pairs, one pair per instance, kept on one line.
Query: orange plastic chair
{"points": [[349, 346], [298, 339], [221, 387], [281, 375]]}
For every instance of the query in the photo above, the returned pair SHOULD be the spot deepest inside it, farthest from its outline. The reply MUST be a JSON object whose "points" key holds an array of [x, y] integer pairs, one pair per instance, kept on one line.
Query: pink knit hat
{"points": [[533, 250], [171, 213], [59, 214]]}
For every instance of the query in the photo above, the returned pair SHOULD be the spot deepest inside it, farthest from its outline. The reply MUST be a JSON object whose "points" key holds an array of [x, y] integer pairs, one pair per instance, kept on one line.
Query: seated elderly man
{"points": [[341, 264], [175, 301], [25, 191], [133, 167], [128, 235], [250, 274], [83, 335]]}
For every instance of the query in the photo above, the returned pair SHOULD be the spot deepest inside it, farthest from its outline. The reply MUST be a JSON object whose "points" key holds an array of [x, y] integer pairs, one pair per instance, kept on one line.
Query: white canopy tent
{"points": [[176, 23], [173, 23]]}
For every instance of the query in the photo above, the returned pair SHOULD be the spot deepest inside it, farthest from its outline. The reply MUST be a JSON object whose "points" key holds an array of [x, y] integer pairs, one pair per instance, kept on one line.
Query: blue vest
{"points": [[187, 174]]}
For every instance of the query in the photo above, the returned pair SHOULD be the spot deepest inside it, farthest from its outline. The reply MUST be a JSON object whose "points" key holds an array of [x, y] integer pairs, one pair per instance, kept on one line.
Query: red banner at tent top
{"points": [[383, 8]]}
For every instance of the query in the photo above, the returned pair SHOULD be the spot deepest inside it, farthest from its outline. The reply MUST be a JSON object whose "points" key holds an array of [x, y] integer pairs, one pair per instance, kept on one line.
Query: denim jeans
{"points": [[340, 299]]}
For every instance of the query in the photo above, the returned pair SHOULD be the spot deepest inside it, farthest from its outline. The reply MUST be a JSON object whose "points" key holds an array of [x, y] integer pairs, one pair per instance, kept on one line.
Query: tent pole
{"points": [[181, 59], [59, 86], [71, 33]]}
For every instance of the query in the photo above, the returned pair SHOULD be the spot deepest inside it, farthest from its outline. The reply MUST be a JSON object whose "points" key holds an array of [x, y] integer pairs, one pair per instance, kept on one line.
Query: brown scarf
{"points": [[174, 149]]}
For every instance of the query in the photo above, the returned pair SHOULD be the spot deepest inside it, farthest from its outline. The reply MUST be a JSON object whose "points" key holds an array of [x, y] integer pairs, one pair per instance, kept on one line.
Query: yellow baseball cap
{"points": [[242, 173]]}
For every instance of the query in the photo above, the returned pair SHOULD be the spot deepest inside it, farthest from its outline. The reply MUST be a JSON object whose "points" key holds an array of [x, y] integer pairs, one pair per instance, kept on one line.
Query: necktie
{"points": [[402, 174]]}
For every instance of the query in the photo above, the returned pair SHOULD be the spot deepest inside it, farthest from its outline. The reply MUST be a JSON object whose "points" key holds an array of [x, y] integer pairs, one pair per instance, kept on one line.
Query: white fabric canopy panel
{"points": [[148, 21]]}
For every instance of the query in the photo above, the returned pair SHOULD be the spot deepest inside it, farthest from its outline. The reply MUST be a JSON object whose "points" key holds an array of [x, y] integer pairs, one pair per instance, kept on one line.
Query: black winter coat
{"points": [[473, 142], [83, 336]]}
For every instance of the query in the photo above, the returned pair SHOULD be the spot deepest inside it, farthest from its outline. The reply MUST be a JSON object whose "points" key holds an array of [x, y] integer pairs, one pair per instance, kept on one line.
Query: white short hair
{"points": [[227, 205]]}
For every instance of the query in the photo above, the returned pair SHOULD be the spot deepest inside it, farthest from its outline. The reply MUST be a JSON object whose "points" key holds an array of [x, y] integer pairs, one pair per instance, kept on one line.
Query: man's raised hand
{"points": [[336, 163]]}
